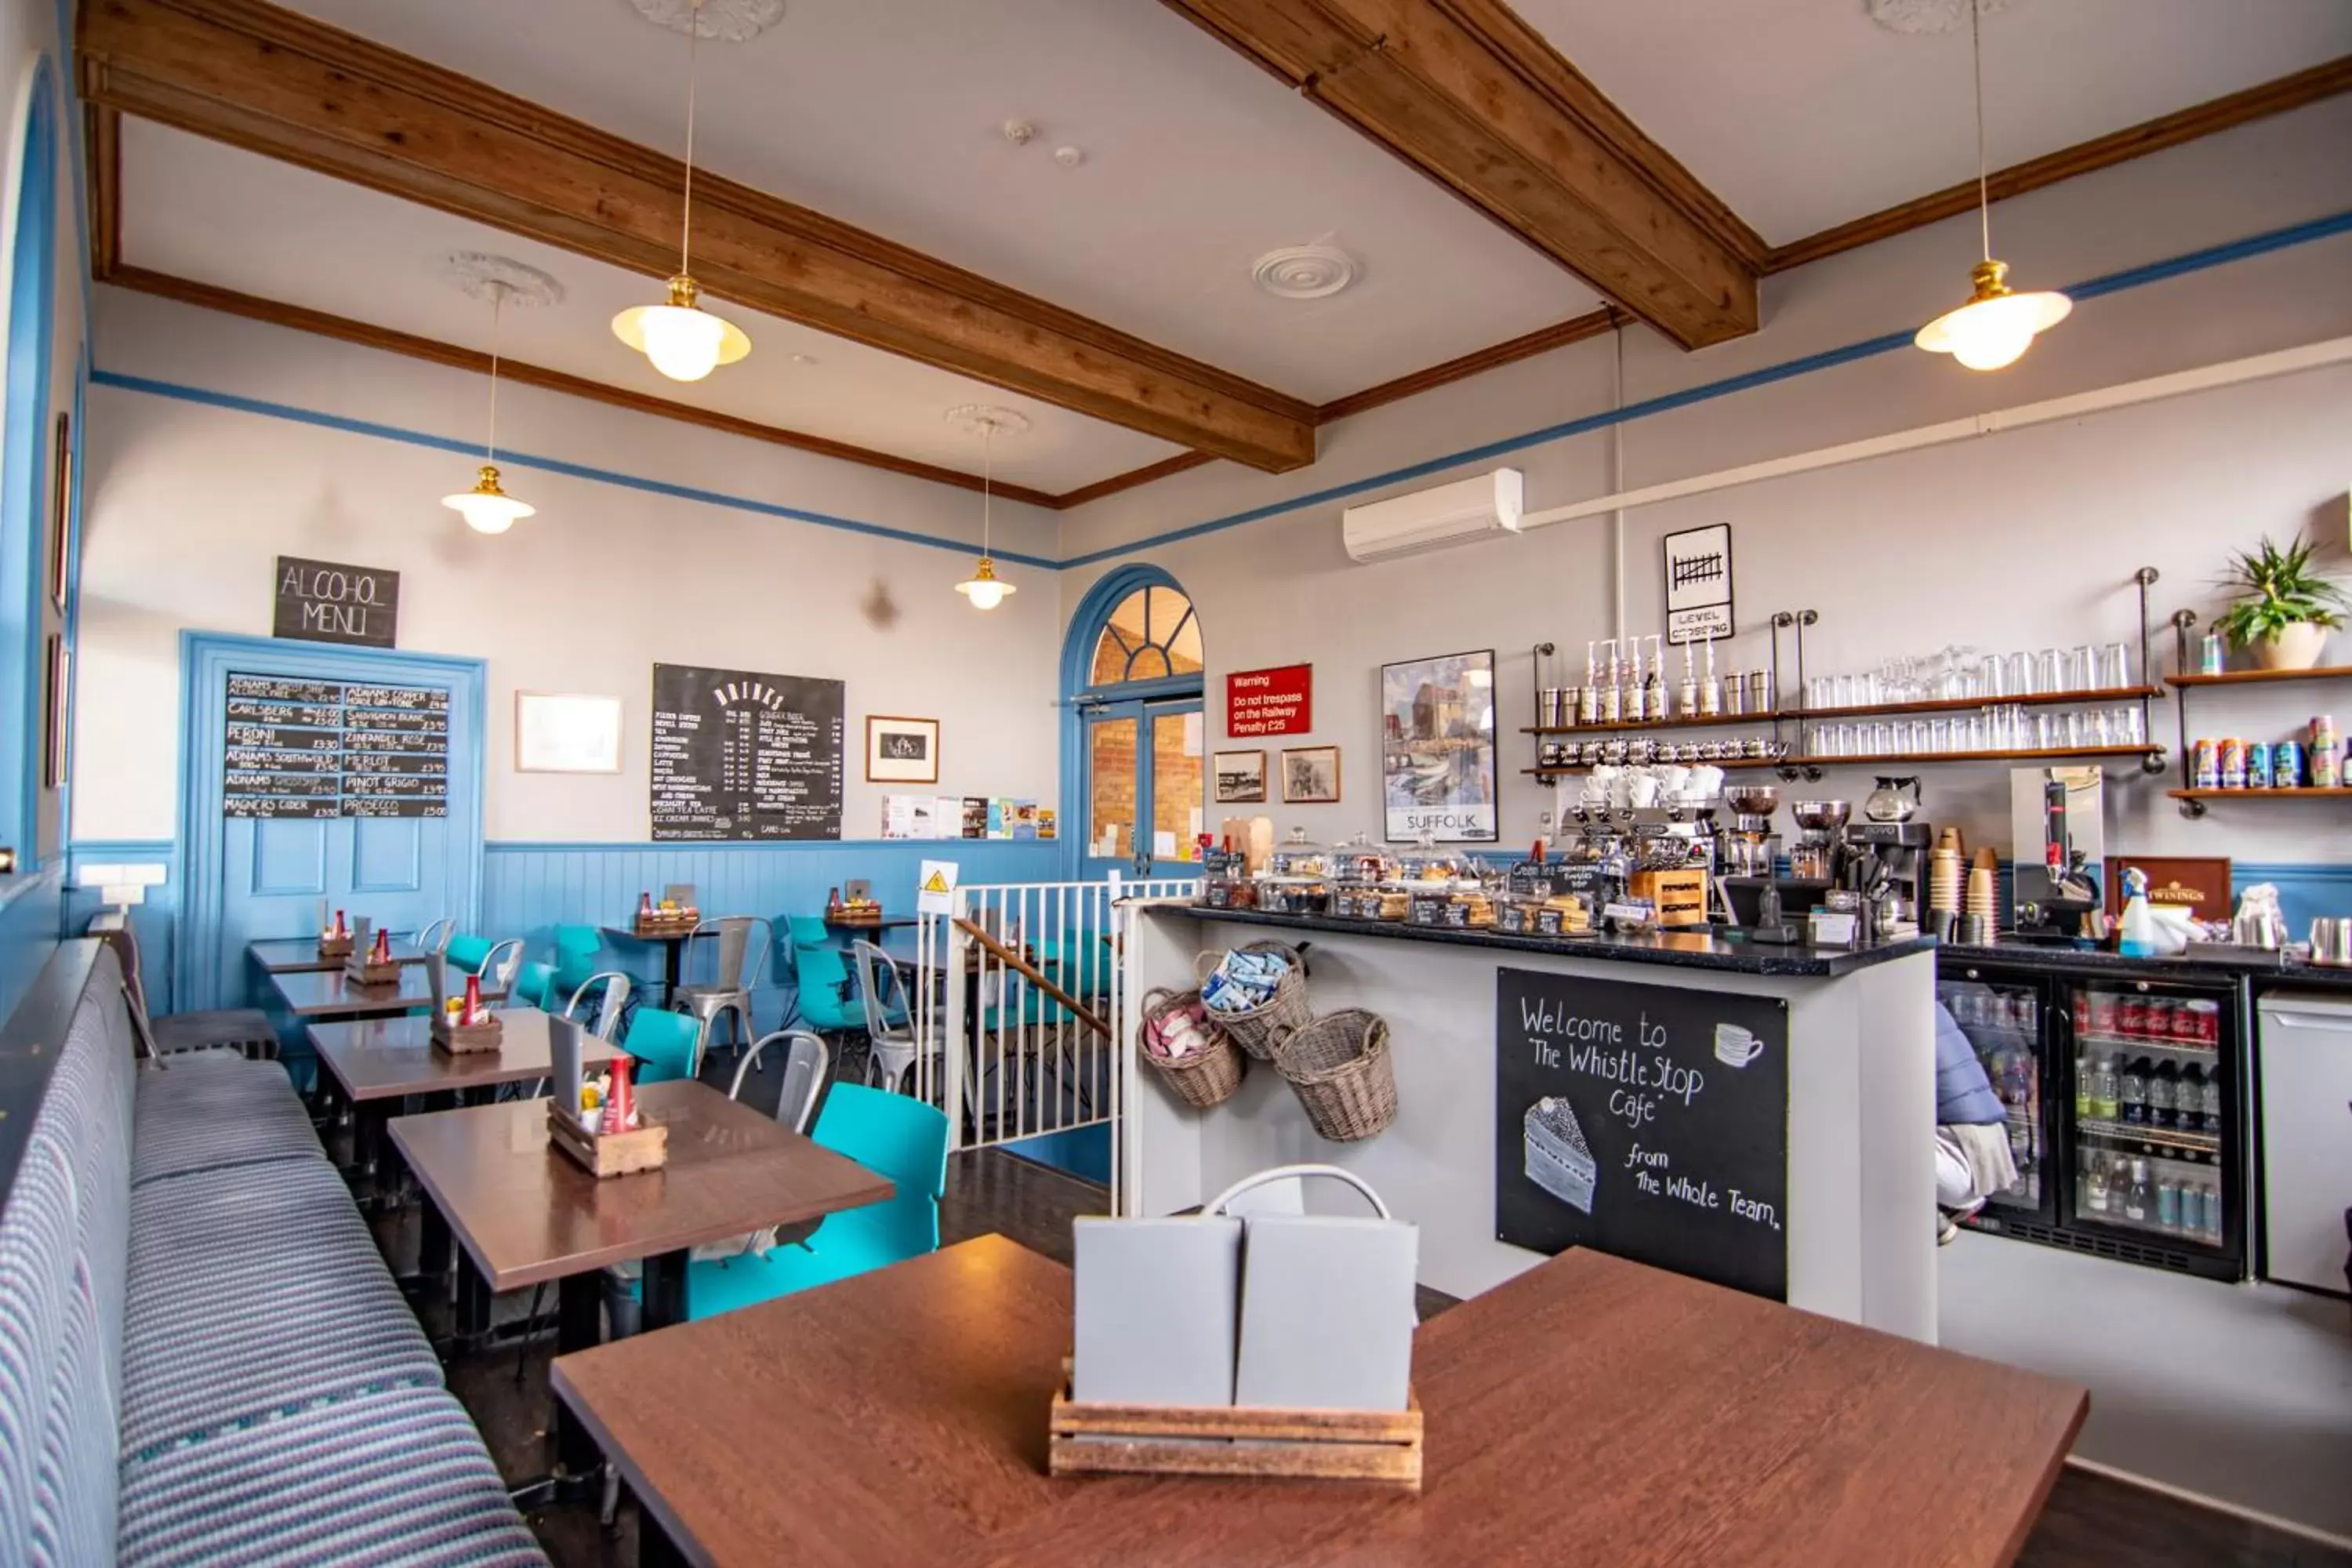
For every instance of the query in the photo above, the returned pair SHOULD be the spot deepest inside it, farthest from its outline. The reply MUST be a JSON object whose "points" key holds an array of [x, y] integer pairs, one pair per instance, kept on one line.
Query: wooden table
{"points": [[1590, 1412], [332, 996], [299, 956], [526, 1214]]}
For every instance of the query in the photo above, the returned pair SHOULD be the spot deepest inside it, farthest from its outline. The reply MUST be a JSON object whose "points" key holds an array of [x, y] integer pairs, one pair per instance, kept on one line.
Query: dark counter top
{"points": [[1674, 949], [2225, 968]]}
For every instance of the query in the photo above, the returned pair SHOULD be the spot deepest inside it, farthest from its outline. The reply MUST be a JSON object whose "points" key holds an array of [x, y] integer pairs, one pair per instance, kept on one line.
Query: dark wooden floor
{"points": [[2091, 1521]]}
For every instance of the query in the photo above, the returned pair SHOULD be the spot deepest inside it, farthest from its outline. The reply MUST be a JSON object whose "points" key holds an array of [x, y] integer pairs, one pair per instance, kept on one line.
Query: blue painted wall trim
{"points": [[24, 471]]}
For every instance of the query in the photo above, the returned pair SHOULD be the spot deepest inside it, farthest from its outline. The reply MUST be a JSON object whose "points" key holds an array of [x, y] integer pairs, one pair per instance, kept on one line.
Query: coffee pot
{"points": [[1887, 803]]}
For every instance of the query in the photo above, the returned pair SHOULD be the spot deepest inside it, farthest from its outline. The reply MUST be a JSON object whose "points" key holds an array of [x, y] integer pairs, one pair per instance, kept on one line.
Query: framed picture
{"points": [[61, 483], [1240, 776], [1438, 748], [1699, 583], [1310, 775], [901, 751], [57, 683], [567, 732]]}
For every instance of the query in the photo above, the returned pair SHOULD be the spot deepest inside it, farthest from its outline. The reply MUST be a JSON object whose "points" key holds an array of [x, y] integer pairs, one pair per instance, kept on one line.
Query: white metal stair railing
{"points": [[1003, 1057]]}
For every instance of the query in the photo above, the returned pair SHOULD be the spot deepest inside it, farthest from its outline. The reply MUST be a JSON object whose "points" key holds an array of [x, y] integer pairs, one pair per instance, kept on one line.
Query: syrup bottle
{"points": [[645, 906]]}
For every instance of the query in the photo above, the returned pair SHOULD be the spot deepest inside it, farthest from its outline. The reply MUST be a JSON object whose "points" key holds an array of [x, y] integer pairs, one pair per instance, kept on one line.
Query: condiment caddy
{"points": [[615, 1138]]}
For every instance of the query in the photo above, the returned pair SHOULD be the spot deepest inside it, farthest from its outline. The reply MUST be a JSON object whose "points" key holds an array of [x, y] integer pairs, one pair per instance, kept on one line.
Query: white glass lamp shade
{"points": [[485, 507], [984, 589], [685, 341], [1995, 327]]}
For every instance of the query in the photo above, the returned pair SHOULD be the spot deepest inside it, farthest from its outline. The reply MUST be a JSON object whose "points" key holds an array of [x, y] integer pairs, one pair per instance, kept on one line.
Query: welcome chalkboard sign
{"points": [[740, 755], [320, 601], [1645, 1121]]}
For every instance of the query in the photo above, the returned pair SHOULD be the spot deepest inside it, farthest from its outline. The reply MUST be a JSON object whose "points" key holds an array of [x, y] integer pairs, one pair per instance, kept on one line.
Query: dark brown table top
{"points": [[299, 956], [526, 1213], [381, 1058], [1592, 1411], [656, 938], [331, 995]]}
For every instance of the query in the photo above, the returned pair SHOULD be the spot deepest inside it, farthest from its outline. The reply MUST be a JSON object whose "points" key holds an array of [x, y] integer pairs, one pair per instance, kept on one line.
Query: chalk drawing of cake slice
{"points": [[1558, 1159]]}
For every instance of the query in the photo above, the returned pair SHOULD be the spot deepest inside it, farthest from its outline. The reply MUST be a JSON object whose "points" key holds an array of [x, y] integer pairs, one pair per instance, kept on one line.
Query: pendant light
{"points": [[685, 341], [1997, 325], [485, 507], [983, 587]]}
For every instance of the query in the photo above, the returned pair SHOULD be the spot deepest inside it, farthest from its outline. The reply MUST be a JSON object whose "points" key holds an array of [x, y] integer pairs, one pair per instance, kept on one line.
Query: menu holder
{"points": [[334, 946], [603, 1155], [1382, 1446], [360, 967]]}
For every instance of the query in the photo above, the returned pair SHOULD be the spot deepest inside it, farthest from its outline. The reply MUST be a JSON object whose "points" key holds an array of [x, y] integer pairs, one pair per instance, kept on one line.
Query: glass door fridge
{"points": [[2007, 1017]]}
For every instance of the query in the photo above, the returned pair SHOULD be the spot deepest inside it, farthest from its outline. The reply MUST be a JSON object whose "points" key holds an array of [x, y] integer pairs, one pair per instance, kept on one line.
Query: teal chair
{"points": [[890, 1134], [465, 953], [665, 1045], [808, 931], [532, 981], [826, 999], [577, 949]]}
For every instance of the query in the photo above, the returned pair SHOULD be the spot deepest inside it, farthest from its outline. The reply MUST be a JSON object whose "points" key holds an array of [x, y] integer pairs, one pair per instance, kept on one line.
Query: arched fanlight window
{"points": [[1153, 634]]}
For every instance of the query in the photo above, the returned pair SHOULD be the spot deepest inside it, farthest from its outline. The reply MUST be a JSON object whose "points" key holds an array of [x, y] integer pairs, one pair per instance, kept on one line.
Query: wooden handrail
{"points": [[1022, 966]]}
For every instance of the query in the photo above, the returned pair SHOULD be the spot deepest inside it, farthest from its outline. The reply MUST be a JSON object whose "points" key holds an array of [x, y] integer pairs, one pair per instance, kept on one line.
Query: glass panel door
{"points": [[2004, 1022], [1115, 741], [1144, 789], [1176, 793], [2155, 1132]]}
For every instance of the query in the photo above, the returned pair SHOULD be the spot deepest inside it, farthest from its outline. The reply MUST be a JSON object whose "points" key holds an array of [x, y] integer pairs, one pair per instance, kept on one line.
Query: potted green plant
{"points": [[2285, 610]]}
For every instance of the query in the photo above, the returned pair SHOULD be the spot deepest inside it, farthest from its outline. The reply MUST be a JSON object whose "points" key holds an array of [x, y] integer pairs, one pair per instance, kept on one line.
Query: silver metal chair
{"points": [[433, 936], [893, 1049], [498, 964], [738, 945], [805, 1058], [605, 1017]]}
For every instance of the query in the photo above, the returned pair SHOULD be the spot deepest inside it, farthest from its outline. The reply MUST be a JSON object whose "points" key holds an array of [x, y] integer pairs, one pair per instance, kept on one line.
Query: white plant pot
{"points": [[2292, 647]]}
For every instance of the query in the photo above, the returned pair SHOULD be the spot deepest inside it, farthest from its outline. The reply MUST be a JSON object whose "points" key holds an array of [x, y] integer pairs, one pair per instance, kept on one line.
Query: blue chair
{"points": [[890, 1134], [665, 1045], [827, 998], [808, 931], [465, 953], [577, 949], [532, 981]]}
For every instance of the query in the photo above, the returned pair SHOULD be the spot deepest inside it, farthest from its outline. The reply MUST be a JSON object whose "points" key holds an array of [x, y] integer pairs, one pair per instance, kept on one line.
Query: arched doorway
{"points": [[1134, 745]]}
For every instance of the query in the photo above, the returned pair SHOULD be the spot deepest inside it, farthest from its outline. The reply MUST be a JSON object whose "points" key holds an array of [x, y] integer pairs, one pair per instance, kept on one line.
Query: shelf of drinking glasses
{"points": [[2150, 758], [1727, 763], [2261, 677], [1639, 726], [1970, 705]]}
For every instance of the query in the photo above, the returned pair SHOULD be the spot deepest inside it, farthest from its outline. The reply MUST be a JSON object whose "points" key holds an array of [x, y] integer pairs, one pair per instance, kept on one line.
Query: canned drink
{"points": [[2258, 765], [2101, 1012], [2131, 1017], [2160, 1018], [2234, 762], [2326, 767], [2205, 764], [2211, 655], [2323, 730], [2287, 765], [2204, 1024]]}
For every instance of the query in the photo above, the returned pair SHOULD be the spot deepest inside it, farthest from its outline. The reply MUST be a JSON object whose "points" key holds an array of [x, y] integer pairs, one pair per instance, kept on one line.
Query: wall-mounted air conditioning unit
{"points": [[1431, 520]]}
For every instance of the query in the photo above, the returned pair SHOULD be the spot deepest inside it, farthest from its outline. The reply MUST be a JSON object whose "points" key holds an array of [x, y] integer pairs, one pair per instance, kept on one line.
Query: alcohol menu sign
{"points": [[1270, 701], [328, 749], [738, 755], [1646, 1122], [322, 601]]}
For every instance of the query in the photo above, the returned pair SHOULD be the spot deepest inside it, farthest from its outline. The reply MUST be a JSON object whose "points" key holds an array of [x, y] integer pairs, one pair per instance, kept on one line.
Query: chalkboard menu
{"points": [[736, 755], [323, 601], [326, 749], [1645, 1121]]}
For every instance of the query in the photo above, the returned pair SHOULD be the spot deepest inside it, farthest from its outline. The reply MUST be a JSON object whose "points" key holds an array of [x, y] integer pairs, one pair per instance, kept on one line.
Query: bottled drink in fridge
{"points": [[2190, 1099], [2163, 1097], [2139, 1195], [2083, 1068], [2214, 1121], [2103, 1088], [2168, 1202], [2131, 1091], [2095, 1193]]}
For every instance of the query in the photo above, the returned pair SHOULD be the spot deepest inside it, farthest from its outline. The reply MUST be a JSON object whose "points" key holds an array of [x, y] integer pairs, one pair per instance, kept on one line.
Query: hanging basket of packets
{"points": [[1257, 994], [1191, 1054], [1340, 1068]]}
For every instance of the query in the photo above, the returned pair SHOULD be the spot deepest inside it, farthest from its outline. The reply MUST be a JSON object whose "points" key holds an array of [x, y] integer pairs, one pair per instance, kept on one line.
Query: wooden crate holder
{"points": [[334, 947], [604, 1154], [1379, 1447], [680, 924], [463, 1039], [372, 974]]}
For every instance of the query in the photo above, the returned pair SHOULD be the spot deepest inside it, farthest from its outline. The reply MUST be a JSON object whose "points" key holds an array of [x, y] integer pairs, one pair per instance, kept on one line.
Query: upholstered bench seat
{"points": [[211, 1133]]}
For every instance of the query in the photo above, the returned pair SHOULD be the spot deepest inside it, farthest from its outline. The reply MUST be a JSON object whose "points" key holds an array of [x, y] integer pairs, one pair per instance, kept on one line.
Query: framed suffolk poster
{"points": [[1699, 583], [1437, 748]]}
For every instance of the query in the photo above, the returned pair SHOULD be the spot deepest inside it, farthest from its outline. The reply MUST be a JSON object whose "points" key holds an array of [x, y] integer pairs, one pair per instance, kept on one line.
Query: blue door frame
{"points": [[1083, 702], [206, 660]]}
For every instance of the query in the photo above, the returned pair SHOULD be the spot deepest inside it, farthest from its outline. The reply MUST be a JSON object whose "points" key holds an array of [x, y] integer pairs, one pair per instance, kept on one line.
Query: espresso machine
{"points": [[1886, 858], [2056, 893]]}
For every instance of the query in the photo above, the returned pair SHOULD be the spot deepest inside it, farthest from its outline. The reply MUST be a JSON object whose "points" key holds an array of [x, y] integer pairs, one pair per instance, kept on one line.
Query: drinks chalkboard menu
{"points": [[736, 755], [326, 749], [1647, 1122]]}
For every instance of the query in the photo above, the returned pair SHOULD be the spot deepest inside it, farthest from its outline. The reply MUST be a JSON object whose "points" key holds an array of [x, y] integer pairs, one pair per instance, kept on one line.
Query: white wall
{"points": [[189, 504], [2024, 540]]}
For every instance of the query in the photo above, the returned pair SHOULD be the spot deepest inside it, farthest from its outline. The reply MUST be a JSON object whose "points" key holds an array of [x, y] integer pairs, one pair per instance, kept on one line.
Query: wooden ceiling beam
{"points": [[269, 81], [1469, 94]]}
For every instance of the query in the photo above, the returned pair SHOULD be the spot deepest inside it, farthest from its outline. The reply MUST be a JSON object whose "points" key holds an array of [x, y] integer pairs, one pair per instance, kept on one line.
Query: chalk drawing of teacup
{"points": [[1735, 1047]]}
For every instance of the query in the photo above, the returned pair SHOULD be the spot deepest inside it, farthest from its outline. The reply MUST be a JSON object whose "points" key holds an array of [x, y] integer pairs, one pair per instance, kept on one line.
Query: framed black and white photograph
{"points": [[901, 751], [1240, 777], [1438, 748], [1310, 775], [1699, 583]]}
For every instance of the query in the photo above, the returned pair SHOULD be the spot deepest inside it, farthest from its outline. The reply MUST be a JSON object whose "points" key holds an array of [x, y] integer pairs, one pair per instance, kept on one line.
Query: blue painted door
{"points": [[252, 878], [1144, 807]]}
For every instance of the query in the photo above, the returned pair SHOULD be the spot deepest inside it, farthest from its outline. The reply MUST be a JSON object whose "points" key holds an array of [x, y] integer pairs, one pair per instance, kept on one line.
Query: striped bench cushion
{"points": [[197, 1137], [393, 1479], [215, 1079]]}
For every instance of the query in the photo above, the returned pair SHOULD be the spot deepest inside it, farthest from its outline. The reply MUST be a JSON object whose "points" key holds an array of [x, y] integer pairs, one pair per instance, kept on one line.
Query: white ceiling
{"points": [[201, 210], [885, 113], [1804, 113]]}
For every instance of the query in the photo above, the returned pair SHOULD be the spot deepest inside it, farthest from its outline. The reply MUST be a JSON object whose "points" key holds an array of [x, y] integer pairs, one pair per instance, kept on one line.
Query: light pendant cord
{"points": [[498, 305], [987, 477], [685, 213], [1984, 188]]}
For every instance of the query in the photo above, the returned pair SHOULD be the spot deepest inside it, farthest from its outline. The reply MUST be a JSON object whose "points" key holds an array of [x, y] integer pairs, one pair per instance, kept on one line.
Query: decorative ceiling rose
{"points": [[983, 420], [479, 276], [722, 21], [1303, 271], [1926, 15]]}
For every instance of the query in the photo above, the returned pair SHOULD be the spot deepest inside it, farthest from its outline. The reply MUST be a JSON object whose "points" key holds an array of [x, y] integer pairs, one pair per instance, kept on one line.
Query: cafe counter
{"points": [[1761, 1117]]}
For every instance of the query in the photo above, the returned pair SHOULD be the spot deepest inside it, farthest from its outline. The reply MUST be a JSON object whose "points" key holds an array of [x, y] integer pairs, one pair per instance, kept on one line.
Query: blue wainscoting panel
{"points": [[2307, 890], [29, 931]]}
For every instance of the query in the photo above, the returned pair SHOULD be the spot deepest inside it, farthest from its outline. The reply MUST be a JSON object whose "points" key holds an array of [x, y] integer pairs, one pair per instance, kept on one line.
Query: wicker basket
{"points": [[1339, 1067], [1256, 1029], [1205, 1077]]}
